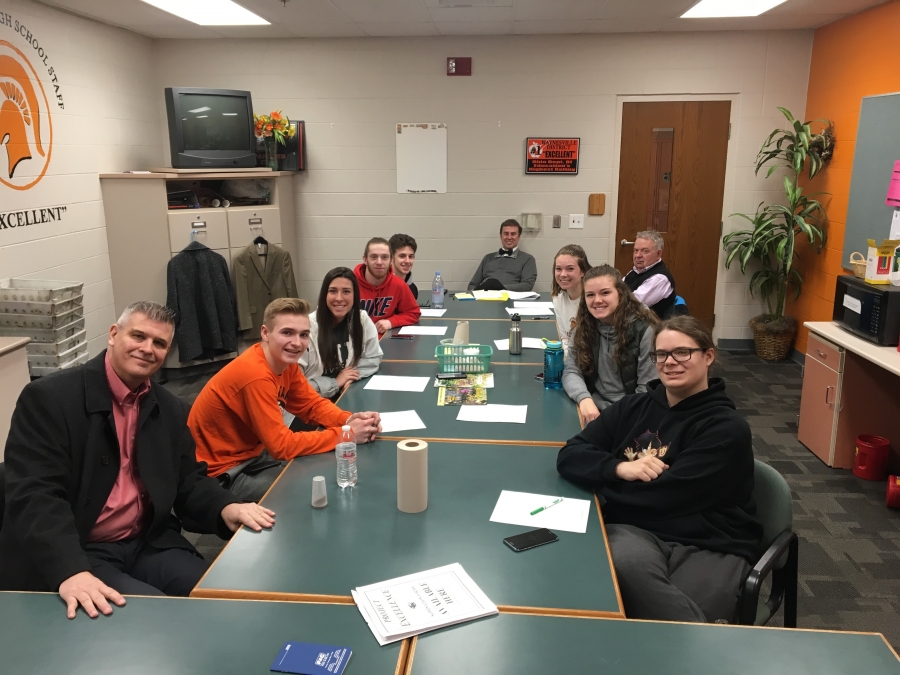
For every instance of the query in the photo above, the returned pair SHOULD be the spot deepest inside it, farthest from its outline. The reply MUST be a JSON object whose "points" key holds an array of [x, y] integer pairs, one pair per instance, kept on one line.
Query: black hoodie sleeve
{"points": [[588, 457]]}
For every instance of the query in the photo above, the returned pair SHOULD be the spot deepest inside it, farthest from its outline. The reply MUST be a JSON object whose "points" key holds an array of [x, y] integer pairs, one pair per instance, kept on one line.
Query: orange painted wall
{"points": [[851, 58]]}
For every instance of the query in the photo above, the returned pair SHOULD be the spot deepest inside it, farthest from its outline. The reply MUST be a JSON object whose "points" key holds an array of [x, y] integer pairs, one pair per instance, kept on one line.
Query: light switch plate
{"points": [[576, 221]]}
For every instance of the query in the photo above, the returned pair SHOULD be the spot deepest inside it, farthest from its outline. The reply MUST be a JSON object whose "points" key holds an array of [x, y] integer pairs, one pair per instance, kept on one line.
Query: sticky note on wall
{"points": [[893, 195]]}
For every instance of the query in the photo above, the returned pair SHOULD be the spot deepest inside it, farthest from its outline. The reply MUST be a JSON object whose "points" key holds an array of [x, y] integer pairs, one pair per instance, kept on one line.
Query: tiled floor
{"points": [[849, 539]]}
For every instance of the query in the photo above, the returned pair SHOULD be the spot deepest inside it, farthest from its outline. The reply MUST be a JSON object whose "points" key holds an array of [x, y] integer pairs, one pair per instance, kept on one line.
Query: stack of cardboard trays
{"points": [[51, 313]]}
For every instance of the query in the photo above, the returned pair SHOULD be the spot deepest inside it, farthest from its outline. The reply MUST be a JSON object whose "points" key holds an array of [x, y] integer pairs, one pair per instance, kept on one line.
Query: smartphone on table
{"points": [[527, 540]]}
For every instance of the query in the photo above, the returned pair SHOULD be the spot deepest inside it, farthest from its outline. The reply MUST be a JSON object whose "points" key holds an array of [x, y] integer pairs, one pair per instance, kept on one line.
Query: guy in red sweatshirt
{"points": [[385, 297]]}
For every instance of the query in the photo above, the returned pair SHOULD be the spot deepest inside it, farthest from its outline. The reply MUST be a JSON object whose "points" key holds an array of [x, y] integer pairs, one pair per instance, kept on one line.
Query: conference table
{"points": [[516, 644], [421, 347], [175, 636], [552, 417], [478, 310], [362, 538]]}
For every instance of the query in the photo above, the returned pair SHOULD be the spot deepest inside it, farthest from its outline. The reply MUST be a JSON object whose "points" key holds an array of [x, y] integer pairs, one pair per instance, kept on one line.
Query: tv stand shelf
{"points": [[143, 234]]}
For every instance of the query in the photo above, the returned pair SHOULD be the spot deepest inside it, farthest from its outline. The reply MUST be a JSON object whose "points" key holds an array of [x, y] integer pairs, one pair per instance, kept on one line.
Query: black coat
{"points": [[202, 297], [62, 459]]}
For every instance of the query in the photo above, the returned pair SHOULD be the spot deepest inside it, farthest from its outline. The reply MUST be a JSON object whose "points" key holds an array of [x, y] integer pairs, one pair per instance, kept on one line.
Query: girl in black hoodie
{"points": [[674, 471]]}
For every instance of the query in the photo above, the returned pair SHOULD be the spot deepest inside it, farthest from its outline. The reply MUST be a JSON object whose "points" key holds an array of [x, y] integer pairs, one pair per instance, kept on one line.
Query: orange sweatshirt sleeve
{"points": [[276, 437]]}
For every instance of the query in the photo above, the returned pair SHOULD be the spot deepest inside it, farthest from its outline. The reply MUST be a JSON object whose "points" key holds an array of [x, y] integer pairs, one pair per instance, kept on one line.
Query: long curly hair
{"points": [[325, 341], [586, 333]]}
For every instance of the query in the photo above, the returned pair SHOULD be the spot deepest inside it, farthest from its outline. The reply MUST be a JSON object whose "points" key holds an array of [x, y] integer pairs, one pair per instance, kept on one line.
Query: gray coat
{"points": [[517, 272], [608, 386], [200, 294]]}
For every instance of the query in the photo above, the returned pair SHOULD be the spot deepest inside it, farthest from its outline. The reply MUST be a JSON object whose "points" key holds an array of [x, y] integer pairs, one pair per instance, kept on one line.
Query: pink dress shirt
{"points": [[123, 515]]}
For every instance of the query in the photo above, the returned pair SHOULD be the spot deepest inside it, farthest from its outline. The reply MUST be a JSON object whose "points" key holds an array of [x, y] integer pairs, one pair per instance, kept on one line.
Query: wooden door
{"points": [[672, 179]]}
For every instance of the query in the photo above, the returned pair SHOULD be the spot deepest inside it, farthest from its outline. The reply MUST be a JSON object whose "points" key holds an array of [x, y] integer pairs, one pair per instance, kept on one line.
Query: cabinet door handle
{"points": [[827, 402], [822, 355]]}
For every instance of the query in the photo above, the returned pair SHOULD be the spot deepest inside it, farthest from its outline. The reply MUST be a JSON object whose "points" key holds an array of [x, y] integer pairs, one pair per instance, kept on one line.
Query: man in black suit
{"points": [[96, 460]]}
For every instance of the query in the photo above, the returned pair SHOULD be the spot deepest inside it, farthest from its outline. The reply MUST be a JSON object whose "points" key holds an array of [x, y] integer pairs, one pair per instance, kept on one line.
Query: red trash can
{"points": [[871, 458], [893, 492]]}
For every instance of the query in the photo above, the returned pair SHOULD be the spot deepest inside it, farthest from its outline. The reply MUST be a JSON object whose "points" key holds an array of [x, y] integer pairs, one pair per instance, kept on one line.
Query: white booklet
{"points": [[417, 603]]}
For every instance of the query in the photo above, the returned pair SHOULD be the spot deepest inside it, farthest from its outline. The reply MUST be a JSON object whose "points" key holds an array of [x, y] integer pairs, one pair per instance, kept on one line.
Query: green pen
{"points": [[544, 508]]}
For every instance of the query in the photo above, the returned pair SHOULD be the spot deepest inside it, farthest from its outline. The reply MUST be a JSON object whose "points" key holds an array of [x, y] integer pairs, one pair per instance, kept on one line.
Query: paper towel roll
{"points": [[412, 475], [461, 336]]}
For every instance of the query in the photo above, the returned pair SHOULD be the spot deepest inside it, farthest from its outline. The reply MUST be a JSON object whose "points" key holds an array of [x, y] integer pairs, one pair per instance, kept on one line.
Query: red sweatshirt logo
{"points": [[377, 307]]}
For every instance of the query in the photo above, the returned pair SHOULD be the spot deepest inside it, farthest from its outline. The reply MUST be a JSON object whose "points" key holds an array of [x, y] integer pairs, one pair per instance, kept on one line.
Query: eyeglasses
{"points": [[680, 355]]}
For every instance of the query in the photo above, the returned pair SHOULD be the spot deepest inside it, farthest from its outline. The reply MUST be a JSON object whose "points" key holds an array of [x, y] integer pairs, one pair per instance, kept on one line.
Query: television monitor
{"points": [[210, 128]]}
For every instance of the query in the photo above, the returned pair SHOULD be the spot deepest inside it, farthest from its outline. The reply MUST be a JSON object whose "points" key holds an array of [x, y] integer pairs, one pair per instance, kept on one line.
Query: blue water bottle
{"points": [[553, 364]]}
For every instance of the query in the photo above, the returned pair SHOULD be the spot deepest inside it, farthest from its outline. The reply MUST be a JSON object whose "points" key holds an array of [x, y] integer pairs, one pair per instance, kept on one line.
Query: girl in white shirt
{"points": [[343, 340], [569, 267]]}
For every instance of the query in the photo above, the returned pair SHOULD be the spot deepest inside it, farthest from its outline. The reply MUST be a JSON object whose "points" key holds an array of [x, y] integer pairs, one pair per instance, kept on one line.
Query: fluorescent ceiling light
{"points": [[727, 8], [199, 110], [210, 12]]}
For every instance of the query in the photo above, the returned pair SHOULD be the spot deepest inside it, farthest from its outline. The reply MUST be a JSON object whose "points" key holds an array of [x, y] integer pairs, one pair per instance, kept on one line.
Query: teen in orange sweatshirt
{"points": [[237, 420]]}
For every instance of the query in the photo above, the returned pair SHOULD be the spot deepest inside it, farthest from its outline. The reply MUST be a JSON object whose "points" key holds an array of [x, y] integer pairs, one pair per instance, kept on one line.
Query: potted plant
{"points": [[272, 129], [772, 240]]}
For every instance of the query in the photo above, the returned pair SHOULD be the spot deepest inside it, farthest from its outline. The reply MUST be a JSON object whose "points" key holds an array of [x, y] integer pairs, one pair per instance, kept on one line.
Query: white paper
{"points": [[397, 383], [514, 508], [492, 412], [853, 304], [895, 225], [433, 312], [423, 330], [530, 311], [403, 420], [532, 303], [490, 295], [417, 603], [527, 343], [522, 295]]}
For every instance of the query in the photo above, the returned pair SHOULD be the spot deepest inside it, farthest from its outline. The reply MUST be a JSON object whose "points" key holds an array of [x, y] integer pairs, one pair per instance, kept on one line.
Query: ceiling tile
{"points": [[315, 29], [386, 11], [475, 28], [464, 14], [273, 31], [184, 31], [296, 11], [406, 29], [559, 10], [553, 27]]}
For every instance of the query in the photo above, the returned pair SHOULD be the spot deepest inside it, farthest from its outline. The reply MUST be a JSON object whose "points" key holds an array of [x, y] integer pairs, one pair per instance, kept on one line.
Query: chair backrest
{"points": [[774, 507]]}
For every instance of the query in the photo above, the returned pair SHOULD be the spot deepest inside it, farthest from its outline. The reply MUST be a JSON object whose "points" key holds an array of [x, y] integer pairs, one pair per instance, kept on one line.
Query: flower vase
{"points": [[271, 152]]}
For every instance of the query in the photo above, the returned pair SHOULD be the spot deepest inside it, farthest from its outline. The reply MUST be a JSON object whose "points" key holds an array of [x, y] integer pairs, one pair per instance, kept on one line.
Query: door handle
{"points": [[625, 242], [827, 402], [822, 355]]}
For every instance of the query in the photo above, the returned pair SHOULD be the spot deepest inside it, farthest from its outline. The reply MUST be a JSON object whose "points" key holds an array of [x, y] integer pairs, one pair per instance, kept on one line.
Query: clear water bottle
{"points": [[553, 364], [345, 452], [437, 291]]}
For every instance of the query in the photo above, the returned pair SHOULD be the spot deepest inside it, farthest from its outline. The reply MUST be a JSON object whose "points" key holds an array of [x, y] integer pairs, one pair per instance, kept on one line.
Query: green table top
{"points": [[552, 416], [171, 636], [421, 347], [481, 309], [511, 644], [362, 538]]}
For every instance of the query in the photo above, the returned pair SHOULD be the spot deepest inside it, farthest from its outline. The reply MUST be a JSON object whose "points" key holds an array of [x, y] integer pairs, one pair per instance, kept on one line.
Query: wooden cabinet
{"points": [[144, 234], [820, 399]]}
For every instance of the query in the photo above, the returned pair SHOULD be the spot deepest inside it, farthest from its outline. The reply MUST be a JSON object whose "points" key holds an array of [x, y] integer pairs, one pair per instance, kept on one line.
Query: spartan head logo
{"points": [[25, 129]]}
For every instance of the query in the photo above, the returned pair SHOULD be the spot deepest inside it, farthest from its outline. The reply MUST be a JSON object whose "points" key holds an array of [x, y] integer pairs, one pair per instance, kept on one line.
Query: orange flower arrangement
{"points": [[274, 124]]}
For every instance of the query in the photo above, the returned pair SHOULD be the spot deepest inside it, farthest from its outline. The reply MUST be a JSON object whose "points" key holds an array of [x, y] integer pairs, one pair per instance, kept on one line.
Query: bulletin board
{"points": [[421, 158], [877, 148]]}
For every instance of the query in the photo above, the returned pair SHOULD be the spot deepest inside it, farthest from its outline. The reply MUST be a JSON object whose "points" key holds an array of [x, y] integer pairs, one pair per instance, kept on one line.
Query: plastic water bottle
{"points": [[345, 451], [553, 364], [437, 291]]}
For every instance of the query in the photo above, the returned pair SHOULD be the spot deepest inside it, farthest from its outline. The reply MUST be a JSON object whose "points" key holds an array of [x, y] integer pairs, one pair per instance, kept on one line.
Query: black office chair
{"points": [[2, 492], [780, 559]]}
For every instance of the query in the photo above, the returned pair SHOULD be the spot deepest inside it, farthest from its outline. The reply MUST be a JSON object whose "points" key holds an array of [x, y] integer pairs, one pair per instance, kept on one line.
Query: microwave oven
{"points": [[870, 311]]}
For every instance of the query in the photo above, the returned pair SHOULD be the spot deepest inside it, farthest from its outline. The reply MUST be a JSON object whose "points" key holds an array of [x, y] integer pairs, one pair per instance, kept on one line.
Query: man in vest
{"points": [[650, 280]]}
